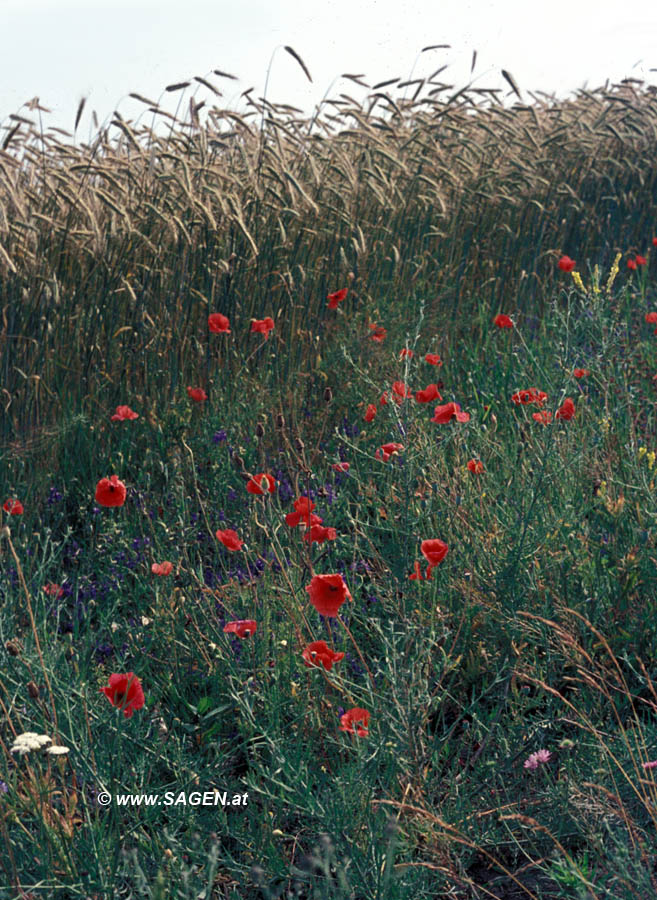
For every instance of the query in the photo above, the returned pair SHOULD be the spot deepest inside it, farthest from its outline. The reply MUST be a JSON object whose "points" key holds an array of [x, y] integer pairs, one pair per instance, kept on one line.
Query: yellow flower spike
{"points": [[577, 278], [651, 459], [614, 272]]}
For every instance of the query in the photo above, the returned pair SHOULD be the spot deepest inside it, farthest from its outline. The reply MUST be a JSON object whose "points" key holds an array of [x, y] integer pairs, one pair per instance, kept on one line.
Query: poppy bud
{"points": [[328, 395], [33, 690], [280, 421], [12, 648], [239, 462], [259, 430], [299, 444]]}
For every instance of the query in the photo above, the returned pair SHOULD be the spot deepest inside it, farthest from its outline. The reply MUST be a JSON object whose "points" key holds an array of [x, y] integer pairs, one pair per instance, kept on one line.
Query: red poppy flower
{"points": [[256, 484], [341, 467], [13, 507], [582, 373], [262, 326], [378, 333], [433, 359], [370, 412], [352, 717], [651, 318], [434, 551], [631, 264], [417, 575], [242, 627], [163, 568], [640, 260], [544, 417], [125, 692], [443, 414], [654, 242], [110, 491], [566, 264], [327, 593], [386, 451], [532, 395], [320, 654], [198, 395], [53, 590], [123, 414], [476, 466], [384, 399], [219, 324], [406, 353], [567, 410], [400, 391], [503, 321], [302, 511], [336, 298], [429, 393], [318, 534], [229, 539]]}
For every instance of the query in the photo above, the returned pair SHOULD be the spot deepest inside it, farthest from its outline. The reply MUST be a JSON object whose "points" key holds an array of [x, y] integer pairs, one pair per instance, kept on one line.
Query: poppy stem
{"points": [[353, 641], [34, 631]]}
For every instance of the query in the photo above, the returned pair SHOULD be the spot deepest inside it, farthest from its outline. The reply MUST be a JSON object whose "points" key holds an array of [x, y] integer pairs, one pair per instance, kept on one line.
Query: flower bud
{"points": [[328, 395], [33, 690], [12, 648]]}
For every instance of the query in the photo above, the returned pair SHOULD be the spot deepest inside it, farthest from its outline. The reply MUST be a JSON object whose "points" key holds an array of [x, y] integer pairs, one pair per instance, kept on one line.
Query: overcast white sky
{"points": [[63, 51]]}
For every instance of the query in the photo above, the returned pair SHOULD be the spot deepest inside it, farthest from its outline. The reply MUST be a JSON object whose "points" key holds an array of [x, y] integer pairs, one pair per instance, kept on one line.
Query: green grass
{"points": [[537, 630]]}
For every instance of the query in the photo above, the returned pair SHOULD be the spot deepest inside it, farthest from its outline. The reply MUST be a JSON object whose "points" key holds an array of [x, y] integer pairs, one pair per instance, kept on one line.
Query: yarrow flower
{"points": [[219, 324], [125, 692], [320, 654], [327, 593], [242, 627], [110, 491], [229, 539], [163, 568], [198, 395], [355, 721], [503, 321], [13, 507], [124, 414], [537, 759], [29, 740], [262, 326]]}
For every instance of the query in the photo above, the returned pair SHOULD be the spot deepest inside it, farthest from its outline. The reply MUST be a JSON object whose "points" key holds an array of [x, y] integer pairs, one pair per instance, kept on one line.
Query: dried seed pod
{"points": [[259, 430], [33, 690], [12, 648], [238, 461], [280, 421], [328, 395]]}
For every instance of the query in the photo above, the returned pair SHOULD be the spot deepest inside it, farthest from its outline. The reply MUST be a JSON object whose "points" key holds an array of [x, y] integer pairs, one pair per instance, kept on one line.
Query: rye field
{"points": [[328, 539]]}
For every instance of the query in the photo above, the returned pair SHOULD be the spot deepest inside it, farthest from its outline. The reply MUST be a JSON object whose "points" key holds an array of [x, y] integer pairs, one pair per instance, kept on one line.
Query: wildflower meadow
{"points": [[328, 539]]}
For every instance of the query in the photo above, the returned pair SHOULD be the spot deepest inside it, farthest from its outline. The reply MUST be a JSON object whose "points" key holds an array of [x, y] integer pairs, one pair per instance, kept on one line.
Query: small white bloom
{"points": [[57, 751], [28, 741]]}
